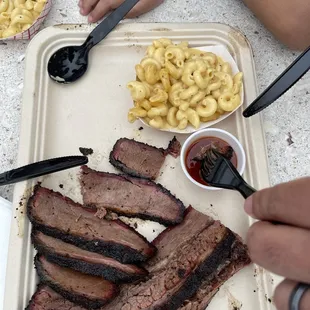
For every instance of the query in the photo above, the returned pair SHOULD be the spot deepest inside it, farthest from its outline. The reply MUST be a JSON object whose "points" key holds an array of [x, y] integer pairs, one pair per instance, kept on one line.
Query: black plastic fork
{"points": [[218, 171]]}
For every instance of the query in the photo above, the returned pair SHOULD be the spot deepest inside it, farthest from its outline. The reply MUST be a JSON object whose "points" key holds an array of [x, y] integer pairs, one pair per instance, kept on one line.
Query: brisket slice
{"points": [[47, 299], [60, 217], [130, 196], [85, 290], [70, 256], [174, 148], [183, 273], [140, 159], [226, 151], [171, 238], [211, 285]]}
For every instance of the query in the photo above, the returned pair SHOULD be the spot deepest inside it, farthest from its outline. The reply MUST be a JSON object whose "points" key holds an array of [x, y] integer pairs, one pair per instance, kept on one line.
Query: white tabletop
{"points": [[286, 121]]}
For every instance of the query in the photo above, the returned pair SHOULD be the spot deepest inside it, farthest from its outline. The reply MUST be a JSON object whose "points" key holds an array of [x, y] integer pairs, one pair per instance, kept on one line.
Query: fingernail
{"points": [[82, 11], [90, 18], [248, 207], [80, 3]]}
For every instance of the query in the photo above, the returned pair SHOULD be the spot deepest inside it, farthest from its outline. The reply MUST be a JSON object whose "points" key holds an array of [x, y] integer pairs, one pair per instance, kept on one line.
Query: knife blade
{"points": [[281, 85], [41, 168]]}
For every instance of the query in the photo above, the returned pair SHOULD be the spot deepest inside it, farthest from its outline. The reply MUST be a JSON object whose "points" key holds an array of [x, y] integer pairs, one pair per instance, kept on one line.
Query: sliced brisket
{"points": [[68, 255], [182, 275], [139, 159], [47, 299], [174, 148], [210, 286], [226, 151], [85, 290], [130, 196], [173, 237], [60, 217]]}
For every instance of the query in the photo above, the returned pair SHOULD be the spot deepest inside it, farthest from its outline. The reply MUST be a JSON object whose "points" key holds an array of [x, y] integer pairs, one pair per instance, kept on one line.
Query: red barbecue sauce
{"points": [[193, 166]]}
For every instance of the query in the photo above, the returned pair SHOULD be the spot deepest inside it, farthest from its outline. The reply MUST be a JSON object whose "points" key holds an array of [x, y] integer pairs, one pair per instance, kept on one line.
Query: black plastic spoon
{"points": [[70, 62]]}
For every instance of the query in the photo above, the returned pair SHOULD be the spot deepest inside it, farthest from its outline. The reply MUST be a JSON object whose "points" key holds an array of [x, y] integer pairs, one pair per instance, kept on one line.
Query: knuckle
{"points": [[272, 254], [262, 249], [133, 13], [275, 202], [259, 202], [113, 4], [253, 240]]}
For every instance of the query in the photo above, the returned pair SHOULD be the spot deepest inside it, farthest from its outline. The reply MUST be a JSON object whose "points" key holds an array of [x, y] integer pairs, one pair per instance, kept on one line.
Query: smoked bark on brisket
{"points": [[130, 196], [173, 237], [206, 255], [140, 159], [88, 291], [60, 217], [47, 299], [70, 256], [211, 285]]}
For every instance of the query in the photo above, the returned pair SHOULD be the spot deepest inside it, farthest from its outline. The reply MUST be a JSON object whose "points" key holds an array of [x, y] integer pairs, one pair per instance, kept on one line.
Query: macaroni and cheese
{"points": [[177, 86], [18, 15]]}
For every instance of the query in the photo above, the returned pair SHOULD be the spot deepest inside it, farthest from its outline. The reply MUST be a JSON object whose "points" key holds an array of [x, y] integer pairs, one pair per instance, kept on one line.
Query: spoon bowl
{"points": [[69, 63]]}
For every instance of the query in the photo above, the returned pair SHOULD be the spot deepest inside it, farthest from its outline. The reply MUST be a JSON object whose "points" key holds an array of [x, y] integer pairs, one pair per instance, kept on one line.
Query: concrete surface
{"points": [[286, 122]]}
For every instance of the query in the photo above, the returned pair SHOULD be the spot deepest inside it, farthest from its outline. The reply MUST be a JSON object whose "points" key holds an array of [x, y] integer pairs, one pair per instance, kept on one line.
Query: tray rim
{"points": [[29, 89]]}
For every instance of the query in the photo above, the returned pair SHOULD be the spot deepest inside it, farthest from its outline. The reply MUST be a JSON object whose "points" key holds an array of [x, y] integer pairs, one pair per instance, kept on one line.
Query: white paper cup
{"points": [[216, 133]]}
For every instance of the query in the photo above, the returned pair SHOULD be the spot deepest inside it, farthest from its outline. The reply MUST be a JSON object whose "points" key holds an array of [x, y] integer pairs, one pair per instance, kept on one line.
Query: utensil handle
{"points": [[41, 168], [109, 23], [245, 190]]}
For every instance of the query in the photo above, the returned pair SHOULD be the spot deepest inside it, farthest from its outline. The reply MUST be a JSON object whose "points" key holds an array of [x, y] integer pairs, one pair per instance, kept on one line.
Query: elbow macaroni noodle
{"points": [[17, 16], [177, 86]]}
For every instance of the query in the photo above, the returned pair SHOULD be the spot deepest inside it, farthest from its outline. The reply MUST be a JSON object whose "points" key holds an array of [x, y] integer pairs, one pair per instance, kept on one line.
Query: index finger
{"points": [[143, 6], [287, 203]]}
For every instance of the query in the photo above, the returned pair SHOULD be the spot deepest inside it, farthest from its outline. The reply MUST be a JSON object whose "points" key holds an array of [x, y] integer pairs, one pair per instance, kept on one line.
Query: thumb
{"points": [[286, 203], [248, 206]]}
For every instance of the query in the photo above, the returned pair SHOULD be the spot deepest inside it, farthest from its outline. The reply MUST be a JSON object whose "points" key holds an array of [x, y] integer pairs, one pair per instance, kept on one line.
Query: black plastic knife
{"points": [[41, 168], [282, 84]]}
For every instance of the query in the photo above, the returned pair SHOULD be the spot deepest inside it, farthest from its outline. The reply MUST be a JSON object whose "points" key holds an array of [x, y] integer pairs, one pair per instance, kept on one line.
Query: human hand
{"points": [[284, 249], [97, 9]]}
